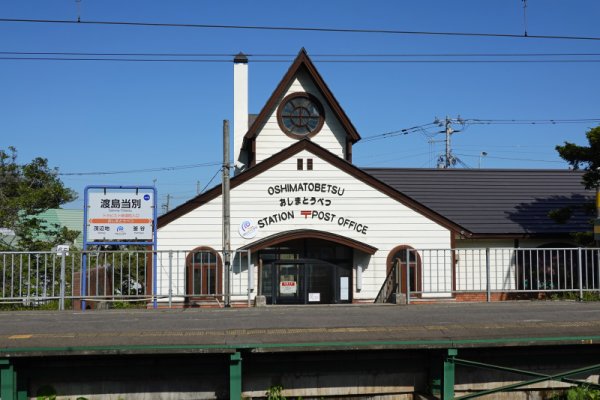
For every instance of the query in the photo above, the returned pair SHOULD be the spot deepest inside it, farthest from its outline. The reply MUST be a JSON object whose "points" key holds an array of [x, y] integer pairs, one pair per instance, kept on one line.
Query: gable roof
{"points": [[324, 154], [496, 202], [302, 62], [69, 218]]}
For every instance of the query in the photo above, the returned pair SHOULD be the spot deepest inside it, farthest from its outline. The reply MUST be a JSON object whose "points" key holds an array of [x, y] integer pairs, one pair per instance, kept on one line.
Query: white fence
{"points": [[94, 279], [445, 272], [99, 278]]}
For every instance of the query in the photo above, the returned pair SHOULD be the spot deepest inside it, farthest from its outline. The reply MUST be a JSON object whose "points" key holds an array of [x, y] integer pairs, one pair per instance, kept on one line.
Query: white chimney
{"points": [[240, 105]]}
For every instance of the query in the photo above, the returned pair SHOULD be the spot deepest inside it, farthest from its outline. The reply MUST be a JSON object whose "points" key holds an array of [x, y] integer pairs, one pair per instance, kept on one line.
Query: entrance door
{"points": [[305, 282], [320, 283], [290, 284], [398, 260]]}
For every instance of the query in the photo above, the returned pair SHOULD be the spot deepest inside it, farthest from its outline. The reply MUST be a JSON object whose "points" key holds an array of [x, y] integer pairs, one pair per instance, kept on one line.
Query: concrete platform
{"points": [[299, 328]]}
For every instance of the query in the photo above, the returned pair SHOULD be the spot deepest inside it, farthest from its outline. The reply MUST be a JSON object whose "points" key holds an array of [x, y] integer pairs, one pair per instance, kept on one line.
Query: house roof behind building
{"points": [[495, 201], [72, 219]]}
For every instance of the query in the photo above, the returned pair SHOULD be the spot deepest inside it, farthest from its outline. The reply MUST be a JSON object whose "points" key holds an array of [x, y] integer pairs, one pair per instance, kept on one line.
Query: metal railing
{"points": [[507, 273], [391, 285], [117, 278]]}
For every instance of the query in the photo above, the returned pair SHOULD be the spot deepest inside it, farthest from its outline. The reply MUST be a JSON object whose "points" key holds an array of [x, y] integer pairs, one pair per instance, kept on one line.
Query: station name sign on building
{"points": [[314, 201], [120, 214]]}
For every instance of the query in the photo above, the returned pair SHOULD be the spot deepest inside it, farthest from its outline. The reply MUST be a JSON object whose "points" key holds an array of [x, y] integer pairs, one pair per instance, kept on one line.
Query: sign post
{"points": [[597, 221], [119, 215]]}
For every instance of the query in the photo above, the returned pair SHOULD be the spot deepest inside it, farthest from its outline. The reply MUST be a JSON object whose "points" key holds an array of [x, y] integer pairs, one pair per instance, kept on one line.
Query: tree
{"points": [[587, 157], [26, 190]]}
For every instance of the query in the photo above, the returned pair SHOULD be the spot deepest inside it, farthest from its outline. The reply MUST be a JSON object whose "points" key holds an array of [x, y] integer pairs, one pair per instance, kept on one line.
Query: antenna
{"points": [[481, 155], [525, 15], [78, 2]]}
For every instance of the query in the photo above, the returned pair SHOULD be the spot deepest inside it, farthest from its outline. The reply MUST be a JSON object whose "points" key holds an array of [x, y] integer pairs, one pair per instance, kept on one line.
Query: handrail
{"points": [[390, 285]]}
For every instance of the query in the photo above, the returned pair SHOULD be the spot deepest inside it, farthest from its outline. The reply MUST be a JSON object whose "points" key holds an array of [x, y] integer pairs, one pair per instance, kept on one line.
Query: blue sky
{"points": [[100, 116]]}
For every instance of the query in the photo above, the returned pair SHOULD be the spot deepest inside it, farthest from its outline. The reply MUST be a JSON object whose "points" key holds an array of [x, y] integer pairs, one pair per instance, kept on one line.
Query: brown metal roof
{"points": [[319, 151], [495, 201], [308, 233]]}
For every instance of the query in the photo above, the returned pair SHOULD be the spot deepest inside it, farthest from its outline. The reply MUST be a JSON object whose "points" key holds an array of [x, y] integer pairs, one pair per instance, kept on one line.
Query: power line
{"points": [[404, 131], [174, 168], [362, 55], [211, 179], [296, 28], [530, 121], [513, 159], [475, 121], [154, 60]]}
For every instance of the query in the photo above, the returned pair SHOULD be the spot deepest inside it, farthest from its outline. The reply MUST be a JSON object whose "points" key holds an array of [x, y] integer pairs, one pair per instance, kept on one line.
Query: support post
{"points": [[250, 276], [448, 375], [226, 216], [408, 280], [580, 273], [235, 376], [488, 289], [63, 267], [8, 381], [170, 277]]}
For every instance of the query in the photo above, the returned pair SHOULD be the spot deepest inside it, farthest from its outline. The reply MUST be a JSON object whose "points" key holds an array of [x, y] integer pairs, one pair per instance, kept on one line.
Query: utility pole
{"points": [[166, 205], [447, 161], [197, 187], [226, 215], [597, 222]]}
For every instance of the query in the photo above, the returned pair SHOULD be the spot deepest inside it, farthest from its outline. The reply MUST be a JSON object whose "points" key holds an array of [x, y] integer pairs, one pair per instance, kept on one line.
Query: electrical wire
{"points": [[362, 55], [211, 179], [512, 159], [530, 121], [295, 29], [346, 61], [404, 131], [174, 168], [476, 121]]}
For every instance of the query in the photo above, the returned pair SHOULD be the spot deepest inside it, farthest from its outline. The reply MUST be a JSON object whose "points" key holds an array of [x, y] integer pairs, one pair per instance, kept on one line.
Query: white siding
{"points": [[389, 222], [471, 265], [272, 140]]}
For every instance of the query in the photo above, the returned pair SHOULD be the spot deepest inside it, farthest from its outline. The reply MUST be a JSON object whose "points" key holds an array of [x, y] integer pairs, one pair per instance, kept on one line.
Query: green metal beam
{"points": [[448, 375], [582, 340], [8, 381], [521, 372], [235, 376], [530, 382]]}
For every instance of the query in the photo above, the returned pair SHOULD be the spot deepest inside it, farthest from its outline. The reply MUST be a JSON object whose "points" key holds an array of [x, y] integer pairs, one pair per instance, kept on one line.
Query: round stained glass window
{"points": [[301, 115]]}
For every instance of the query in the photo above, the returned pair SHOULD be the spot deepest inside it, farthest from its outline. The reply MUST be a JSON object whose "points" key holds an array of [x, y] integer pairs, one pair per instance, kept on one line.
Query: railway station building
{"points": [[317, 229]]}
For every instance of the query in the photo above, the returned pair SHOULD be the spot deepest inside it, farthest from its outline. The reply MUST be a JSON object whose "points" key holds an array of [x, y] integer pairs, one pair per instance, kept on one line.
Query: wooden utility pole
{"points": [[226, 217]]}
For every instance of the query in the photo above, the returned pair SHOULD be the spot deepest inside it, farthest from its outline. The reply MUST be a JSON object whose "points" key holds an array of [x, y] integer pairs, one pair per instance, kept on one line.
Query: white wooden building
{"points": [[321, 230]]}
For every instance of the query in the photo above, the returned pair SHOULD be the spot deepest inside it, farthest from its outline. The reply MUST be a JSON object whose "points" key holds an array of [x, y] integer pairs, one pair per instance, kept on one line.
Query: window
{"points": [[300, 115], [309, 164], [300, 164], [204, 272]]}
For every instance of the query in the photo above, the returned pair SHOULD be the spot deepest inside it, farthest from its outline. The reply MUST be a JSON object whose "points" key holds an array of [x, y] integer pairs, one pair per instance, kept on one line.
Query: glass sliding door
{"points": [[290, 287]]}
